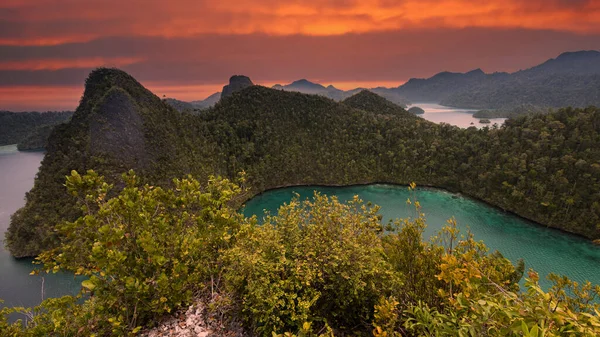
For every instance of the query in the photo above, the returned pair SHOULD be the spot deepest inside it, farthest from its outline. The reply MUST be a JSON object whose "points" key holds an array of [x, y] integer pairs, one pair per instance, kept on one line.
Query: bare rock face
{"points": [[236, 83], [117, 129]]}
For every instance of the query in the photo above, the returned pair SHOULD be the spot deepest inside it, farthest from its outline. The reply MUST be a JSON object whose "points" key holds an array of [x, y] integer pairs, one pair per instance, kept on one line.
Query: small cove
{"points": [[543, 249]]}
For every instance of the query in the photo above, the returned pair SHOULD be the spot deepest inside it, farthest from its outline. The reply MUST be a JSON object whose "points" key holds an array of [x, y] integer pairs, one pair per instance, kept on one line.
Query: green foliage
{"points": [[146, 250], [512, 112], [317, 261], [317, 268], [542, 167], [505, 313], [16, 127], [416, 110]]}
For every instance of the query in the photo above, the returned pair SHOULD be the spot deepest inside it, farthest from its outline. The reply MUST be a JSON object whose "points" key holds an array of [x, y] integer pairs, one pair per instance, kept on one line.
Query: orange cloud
{"points": [[40, 98], [192, 92], [56, 64], [50, 22]]}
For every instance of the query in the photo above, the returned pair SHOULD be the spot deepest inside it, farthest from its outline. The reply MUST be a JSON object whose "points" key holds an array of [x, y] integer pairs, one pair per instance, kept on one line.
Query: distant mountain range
{"points": [[571, 79]]}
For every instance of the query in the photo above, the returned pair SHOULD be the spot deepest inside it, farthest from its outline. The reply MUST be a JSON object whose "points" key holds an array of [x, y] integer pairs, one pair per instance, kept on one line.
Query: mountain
{"points": [[441, 86], [282, 138], [192, 106], [207, 102], [571, 79], [119, 125], [236, 83], [307, 87], [179, 105], [15, 127], [370, 101], [573, 63]]}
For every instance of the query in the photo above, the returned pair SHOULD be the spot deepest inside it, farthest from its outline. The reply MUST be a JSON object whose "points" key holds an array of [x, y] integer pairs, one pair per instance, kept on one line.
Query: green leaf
{"points": [[88, 284]]}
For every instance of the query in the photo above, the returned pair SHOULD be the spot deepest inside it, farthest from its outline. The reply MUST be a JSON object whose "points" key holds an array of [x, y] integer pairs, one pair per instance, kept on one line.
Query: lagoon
{"points": [[543, 249]]}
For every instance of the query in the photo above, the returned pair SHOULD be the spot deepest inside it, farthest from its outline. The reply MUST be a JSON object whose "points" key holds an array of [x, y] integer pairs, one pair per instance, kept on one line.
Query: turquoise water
{"points": [[543, 249], [17, 287]]}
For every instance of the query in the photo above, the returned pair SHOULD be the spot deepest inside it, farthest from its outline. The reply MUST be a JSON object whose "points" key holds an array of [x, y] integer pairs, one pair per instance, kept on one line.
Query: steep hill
{"points": [[119, 125], [542, 167], [236, 83]]}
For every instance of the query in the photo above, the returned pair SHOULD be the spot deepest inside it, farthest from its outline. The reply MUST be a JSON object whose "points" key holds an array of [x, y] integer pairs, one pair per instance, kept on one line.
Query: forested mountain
{"points": [[15, 127], [441, 86], [514, 112], [178, 105], [307, 87], [572, 79], [543, 167]]}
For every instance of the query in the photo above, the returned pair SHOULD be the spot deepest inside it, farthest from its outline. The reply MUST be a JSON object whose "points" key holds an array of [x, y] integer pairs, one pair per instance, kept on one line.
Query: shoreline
{"points": [[428, 187]]}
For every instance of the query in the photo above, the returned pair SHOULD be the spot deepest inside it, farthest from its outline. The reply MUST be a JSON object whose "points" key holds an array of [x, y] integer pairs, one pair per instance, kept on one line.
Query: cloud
{"points": [[56, 64], [193, 46], [211, 59], [43, 22]]}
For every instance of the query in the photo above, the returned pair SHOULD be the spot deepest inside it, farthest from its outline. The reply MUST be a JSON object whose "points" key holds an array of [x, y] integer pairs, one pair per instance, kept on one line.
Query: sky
{"points": [[188, 49]]}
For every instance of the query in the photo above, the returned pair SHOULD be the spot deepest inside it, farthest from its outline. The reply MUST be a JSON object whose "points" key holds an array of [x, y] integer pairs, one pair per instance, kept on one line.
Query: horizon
{"points": [[188, 50]]}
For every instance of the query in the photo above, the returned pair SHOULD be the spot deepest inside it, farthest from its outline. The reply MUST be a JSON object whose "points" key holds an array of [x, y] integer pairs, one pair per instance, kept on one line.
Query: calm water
{"points": [[543, 249], [17, 287], [459, 117]]}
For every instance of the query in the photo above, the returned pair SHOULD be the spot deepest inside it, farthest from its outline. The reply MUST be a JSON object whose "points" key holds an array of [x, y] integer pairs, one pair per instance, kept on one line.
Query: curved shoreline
{"points": [[423, 186]]}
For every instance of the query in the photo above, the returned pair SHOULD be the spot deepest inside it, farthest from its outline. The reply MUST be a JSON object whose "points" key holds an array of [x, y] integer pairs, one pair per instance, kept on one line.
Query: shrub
{"points": [[146, 250], [318, 261]]}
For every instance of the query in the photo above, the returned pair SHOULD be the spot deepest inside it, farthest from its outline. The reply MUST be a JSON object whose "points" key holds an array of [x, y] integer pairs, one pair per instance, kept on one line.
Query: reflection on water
{"points": [[460, 117]]}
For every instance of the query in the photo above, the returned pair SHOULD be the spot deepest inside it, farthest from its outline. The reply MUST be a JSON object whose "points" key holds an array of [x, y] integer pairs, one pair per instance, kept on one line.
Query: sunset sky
{"points": [[187, 49]]}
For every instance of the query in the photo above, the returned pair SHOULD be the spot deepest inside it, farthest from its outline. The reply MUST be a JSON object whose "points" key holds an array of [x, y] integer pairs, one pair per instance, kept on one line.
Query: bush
{"points": [[318, 262], [147, 250]]}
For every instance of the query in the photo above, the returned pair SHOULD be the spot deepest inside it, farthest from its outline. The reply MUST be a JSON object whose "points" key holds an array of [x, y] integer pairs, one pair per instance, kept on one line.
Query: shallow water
{"points": [[460, 117], [543, 249]]}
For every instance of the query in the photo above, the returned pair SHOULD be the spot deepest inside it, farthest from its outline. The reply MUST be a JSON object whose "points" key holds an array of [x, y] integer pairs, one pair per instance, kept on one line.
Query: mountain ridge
{"points": [[282, 138], [570, 79]]}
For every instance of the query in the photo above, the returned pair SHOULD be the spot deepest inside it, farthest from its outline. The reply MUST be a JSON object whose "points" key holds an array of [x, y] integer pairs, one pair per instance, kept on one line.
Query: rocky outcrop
{"points": [[117, 130], [195, 321], [236, 83]]}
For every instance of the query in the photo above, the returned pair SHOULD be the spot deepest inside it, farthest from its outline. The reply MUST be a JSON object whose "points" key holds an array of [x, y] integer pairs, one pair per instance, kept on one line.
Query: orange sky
{"points": [[190, 47]]}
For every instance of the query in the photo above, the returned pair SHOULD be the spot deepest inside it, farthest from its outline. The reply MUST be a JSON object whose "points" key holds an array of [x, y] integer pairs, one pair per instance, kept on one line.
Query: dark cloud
{"points": [[386, 56]]}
